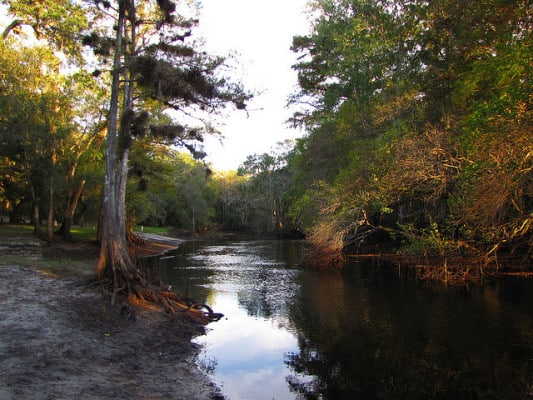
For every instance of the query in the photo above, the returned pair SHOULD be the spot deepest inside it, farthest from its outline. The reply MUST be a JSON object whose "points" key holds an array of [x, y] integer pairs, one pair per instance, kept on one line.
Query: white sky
{"points": [[260, 33]]}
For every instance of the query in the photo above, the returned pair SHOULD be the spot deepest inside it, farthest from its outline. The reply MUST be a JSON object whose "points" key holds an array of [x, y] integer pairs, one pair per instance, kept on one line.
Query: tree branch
{"points": [[16, 23]]}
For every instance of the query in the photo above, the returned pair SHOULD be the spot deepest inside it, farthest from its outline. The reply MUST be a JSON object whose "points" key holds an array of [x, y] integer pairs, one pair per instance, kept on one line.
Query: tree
{"points": [[56, 26], [151, 64], [193, 188], [35, 119], [268, 179], [58, 22], [229, 189], [88, 98], [418, 119]]}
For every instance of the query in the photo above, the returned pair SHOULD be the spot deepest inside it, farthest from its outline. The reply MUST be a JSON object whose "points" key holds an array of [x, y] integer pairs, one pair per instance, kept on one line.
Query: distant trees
{"points": [[170, 188], [267, 182], [42, 145]]}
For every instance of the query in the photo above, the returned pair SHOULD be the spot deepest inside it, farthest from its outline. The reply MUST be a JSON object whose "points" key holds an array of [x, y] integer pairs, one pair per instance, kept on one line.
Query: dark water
{"points": [[369, 332]]}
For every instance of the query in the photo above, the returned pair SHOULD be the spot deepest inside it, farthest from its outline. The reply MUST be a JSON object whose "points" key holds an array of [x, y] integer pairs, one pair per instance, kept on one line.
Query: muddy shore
{"points": [[60, 340]]}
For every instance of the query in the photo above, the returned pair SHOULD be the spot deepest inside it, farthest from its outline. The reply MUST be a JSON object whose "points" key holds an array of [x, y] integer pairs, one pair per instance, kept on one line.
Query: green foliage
{"points": [[421, 118], [50, 129], [418, 117], [58, 22], [53, 119], [168, 188]]}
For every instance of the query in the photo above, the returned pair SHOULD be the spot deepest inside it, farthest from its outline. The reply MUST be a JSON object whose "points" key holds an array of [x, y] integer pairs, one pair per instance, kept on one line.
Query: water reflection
{"points": [[382, 338], [249, 355], [369, 332], [253, 284]]}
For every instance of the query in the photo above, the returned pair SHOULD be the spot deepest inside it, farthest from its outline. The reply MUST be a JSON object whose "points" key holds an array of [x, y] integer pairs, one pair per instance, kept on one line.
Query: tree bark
{"points": [[72, 200], [113, 251], [50, 219]]}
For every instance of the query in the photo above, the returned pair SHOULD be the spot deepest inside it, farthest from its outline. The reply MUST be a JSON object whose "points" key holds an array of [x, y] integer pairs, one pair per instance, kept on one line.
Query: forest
{"points": [[417, 114]]}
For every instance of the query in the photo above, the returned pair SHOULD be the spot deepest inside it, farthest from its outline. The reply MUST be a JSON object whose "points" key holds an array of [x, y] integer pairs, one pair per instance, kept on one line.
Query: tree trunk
{"points": [[115, 263], [113, 251], [73, 197], [36, 219], [36, 216], [50, 219]]}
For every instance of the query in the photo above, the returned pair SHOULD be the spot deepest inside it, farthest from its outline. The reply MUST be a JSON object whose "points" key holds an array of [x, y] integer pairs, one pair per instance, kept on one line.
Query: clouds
{"points": [[248, 352]]}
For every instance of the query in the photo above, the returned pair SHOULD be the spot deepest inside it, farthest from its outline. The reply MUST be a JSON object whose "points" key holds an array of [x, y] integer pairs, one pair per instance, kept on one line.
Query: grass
{"points": [[153, 229], [7, 231], [60, 265], [26, 231], [84, 234]]}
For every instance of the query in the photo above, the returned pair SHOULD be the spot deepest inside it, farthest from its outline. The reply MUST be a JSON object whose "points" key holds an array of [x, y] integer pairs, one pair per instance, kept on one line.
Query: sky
{"points": [[259, 33]]}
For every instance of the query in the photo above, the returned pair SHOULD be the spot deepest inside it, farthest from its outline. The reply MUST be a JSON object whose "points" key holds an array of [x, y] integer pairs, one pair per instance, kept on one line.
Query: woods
{"points": [[427, 109], [417, 119]]}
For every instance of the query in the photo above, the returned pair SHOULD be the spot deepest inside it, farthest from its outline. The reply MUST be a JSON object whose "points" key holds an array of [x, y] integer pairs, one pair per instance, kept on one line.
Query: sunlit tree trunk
{"points": [[113, 247]]}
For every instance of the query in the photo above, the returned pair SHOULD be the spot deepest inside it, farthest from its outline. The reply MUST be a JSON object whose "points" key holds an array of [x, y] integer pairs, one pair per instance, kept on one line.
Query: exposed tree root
{"points": [[143, 289], [127, 309], [157, 298], [138, 293]]}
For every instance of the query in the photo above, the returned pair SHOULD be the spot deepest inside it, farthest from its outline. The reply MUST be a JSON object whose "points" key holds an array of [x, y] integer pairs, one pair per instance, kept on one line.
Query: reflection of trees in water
{"points": [[384, 340], [268, 294], [268, 289]]}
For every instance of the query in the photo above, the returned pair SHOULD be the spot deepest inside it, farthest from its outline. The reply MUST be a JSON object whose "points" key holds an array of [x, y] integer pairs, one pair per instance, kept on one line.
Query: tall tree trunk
{"points": [[50, 220], [35, 210], [36, 219], [113, 250], [115, 262]]}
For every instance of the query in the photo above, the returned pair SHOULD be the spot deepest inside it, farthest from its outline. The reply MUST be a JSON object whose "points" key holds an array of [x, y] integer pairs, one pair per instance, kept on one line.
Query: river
{"points": [[368, 332]]}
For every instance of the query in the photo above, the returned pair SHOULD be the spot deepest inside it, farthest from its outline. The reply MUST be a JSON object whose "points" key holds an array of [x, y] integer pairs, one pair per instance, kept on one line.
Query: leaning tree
{"points": [[156, 72]]}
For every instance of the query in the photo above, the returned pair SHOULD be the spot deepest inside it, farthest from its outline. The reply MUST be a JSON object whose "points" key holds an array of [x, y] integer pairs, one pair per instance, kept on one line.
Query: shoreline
{"points": [[59, 339]]}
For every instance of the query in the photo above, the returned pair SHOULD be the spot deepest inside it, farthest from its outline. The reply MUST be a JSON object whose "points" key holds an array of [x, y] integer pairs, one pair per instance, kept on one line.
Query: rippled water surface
{"points": [[369, 332]]}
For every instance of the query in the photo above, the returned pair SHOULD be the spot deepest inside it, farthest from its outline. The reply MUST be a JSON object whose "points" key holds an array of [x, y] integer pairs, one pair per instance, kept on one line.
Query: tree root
{"points": [[121, 274], [138, 292], [115, 292], [173, 305]]}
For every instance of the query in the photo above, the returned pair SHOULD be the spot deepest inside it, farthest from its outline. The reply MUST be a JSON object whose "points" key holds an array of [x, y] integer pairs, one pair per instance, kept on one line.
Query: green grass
{"points": [[20, 230], [153, 229], [62, 265], [84, 234], [15, 230]]}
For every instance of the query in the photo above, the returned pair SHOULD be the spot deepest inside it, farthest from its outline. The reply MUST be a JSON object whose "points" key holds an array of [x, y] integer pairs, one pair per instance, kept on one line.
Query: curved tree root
{"points": [[175, 305], [140, 293]]}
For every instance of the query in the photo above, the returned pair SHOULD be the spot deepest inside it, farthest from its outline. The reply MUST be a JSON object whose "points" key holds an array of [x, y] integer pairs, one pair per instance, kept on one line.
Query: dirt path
{"points": [[59, 340]]}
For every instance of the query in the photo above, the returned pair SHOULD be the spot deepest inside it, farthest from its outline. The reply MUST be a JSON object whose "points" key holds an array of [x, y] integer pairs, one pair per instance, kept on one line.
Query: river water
{"points": [[368, 332]]}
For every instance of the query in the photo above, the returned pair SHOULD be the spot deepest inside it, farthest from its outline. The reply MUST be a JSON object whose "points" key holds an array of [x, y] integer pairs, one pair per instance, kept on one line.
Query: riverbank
{"points": [[59, 339]]}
